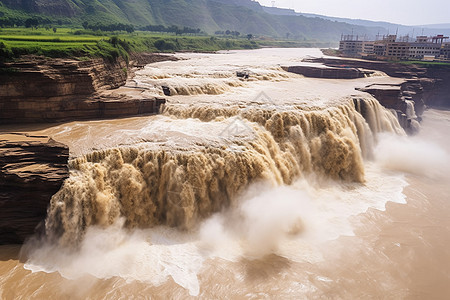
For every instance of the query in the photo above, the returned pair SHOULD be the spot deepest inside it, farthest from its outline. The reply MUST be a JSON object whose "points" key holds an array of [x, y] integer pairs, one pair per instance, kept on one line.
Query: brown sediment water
{"points": [[274, 187], [401, 253]]}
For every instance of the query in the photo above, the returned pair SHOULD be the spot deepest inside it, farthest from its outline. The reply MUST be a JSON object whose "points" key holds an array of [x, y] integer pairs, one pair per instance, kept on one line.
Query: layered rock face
{"points": [[391, 69], [395, 96], [35, 90], [329, 72], [32, 169], [432, 83], [423, 86], [43, 90]]}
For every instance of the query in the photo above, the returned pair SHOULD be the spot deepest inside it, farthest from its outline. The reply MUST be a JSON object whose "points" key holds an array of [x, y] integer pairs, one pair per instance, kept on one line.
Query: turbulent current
{"points": [[256, 172], [152, 185]]}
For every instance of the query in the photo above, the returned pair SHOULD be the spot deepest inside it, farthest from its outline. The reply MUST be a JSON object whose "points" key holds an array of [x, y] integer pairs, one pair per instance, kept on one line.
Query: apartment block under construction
{"points": [[391, 47]]}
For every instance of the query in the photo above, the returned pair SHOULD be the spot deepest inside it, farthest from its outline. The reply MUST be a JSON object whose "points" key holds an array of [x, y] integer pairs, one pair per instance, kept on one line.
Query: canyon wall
{"points": [[427, 85], [36, 89], [32, 169], [430, 82], [328, 72]]}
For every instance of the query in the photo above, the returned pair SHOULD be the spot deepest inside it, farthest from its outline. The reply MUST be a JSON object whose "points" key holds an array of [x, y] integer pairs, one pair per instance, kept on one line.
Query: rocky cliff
{"points": [[47, 90], [32, 169], [432, 82], [423, 86], [35, 89], [328, 72]]}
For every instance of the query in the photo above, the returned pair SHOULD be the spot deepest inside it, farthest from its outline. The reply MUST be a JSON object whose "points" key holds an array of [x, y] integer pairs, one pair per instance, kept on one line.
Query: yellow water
{"points": [[275, 187]]}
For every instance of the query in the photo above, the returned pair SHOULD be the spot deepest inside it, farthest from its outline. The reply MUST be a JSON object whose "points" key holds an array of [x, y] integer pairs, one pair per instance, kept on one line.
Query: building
{"points": [[445, 52], [379, 49], [397, 51], [368, 47], [426, 47], [391, 47], [351, 45]]}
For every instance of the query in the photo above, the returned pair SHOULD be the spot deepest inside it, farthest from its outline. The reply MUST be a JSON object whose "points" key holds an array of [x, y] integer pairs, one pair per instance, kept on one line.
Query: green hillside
{"points": [[245, 16]]}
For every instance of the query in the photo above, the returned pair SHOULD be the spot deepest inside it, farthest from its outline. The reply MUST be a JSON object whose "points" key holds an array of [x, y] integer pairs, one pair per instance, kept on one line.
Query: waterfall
{"points": [[149, 185]]}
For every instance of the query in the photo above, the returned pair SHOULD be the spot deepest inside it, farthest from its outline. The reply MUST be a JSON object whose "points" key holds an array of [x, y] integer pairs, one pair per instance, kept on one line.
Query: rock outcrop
{"points": [[328, 72], [395, 96], [35, 90], [431, 82], [32, 169], [47, 90], [405, 99], [423, 86], [391, 69]]}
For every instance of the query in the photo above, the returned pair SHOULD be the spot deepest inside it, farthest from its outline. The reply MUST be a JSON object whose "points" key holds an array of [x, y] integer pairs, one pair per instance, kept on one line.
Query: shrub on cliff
{"points": [[5, 52], [116, 42], [163, 45], [110, 51]]}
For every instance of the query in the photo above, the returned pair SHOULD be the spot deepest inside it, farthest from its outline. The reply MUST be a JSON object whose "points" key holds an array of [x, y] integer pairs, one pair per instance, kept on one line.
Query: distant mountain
{"points": [[245, 16], [439, 26], [379, 26]]}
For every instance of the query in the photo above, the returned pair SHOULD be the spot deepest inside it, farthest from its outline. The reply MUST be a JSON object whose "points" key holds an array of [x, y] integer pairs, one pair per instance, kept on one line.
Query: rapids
{"points": [[152, 185], [255, 173]]}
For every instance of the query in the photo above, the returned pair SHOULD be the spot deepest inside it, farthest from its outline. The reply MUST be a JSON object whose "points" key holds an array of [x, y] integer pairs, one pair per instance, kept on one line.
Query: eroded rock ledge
{"points": [[320, 71], [431, 83], [422, 86], [36, 89], [32, 170]]}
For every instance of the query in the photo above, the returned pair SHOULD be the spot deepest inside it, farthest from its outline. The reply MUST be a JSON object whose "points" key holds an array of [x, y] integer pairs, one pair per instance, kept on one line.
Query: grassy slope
{"points": [[15, 42], [209, 15]]}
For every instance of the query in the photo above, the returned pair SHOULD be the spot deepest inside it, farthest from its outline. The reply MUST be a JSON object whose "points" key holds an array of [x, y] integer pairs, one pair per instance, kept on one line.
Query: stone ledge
{"points": [[32, 170]]}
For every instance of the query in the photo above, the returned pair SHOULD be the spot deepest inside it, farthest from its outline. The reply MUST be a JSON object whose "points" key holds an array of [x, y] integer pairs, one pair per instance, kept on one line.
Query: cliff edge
{"points": [[32, 169], [40, 90]]}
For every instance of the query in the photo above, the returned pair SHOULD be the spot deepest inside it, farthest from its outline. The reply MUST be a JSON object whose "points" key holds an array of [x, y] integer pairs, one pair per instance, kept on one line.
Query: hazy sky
{"points": [[407, 12]]}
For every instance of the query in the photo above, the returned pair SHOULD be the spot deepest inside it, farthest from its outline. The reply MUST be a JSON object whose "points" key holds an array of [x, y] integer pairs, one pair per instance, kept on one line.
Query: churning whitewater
{"points": [[234, 169]]}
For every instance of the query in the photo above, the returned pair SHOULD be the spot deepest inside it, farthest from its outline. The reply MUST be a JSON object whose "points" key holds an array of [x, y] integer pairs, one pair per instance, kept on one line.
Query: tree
{"points": [[249, 36], [114, 41], [31, 23], [54, 29]]}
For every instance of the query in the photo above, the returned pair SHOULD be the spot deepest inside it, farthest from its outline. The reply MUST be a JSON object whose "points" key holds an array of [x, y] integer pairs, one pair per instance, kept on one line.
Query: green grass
{"points": [[52, 39], [294, 44], [210, 16], [15, 42], [424, 63]]}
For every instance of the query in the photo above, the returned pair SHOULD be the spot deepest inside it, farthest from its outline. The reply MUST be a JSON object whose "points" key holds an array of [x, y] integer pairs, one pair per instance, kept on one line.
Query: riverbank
{"points": [[41, 90]]}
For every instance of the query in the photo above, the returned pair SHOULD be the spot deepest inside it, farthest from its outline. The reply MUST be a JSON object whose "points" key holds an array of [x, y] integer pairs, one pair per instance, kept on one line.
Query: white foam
{"points": [[290, 221], [414, 155], [145, 255]]}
